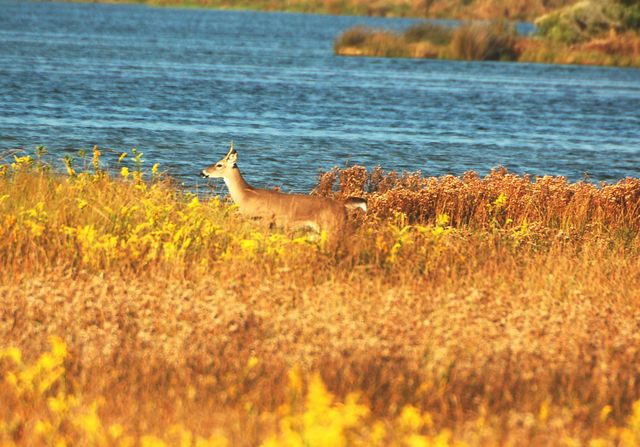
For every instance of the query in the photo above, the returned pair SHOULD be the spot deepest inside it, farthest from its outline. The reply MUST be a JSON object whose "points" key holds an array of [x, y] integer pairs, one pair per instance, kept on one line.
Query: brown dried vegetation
{"points": [[506, 307], [550, 203]]}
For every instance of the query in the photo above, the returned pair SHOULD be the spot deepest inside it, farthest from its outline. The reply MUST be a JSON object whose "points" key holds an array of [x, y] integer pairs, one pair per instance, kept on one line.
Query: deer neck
{"points": [[238, 187]]}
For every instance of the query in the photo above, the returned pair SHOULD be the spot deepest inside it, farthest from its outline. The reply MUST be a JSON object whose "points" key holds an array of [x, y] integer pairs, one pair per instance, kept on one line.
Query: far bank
{"points": [[587, 33], [520, 10]]}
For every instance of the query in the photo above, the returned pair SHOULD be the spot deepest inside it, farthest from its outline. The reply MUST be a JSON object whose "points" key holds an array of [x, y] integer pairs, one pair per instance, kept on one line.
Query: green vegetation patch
{"points": [[588, 19]]}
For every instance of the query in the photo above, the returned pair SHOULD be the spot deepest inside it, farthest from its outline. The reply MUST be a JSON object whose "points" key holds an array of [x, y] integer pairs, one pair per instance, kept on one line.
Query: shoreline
{"points": [[495, 41], [618, 50], [390, 9]]}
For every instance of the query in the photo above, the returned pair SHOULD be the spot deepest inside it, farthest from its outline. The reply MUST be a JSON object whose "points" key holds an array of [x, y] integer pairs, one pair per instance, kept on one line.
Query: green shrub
{"points": [[631, 15], [588, 19]]}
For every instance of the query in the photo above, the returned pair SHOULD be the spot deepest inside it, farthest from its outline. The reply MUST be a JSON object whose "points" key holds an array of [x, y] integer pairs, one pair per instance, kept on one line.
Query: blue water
{"points": [[179, 84]]}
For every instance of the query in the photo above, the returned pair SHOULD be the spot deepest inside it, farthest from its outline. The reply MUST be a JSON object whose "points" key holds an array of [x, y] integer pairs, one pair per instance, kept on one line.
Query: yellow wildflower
{"points": [[35, 228], [442, 220], [115, 431], [12, 353], [604, 413], [58, 347], [151, 441], [501, 201], [410, 419], [96, 158], [249, 245], [21, 162], [253, 361], [194, 203]]}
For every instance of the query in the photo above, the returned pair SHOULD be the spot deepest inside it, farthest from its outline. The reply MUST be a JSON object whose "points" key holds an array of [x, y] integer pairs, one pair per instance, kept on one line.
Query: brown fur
{"points": [[286, 210]]}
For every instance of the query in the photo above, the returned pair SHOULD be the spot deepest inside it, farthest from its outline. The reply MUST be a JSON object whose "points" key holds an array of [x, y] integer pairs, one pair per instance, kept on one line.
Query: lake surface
{"points": [[179, 84]]}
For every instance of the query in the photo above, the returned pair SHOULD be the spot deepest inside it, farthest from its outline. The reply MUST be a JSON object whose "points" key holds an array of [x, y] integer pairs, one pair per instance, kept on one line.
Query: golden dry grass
{"points": [[487, 311], [621, 50]]}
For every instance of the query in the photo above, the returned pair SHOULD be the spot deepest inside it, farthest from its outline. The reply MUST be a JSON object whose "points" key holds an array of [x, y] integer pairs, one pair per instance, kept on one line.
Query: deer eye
{"points": [[219, 165]]}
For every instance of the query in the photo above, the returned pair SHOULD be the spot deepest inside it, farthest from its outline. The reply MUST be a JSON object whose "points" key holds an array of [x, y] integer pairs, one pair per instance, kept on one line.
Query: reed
{"points": [[491, 42], [480, 310], [436, 34], [365, 41], [495, 41]]}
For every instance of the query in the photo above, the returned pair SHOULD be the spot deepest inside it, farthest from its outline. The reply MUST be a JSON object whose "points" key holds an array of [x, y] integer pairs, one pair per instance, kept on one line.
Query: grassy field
{"points": [[497, 310]]}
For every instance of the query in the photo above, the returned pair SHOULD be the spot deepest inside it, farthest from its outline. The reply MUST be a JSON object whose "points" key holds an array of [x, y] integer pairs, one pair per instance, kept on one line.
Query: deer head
{"points": [[223, 167]]}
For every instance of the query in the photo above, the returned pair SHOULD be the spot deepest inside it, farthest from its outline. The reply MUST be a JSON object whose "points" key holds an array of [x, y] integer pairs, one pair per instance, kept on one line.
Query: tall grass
{"points": [[489, 42], [485, 42], [361, 40], [622, 50], [495, 40], [436, 34], [551, 202], [486, 310]]}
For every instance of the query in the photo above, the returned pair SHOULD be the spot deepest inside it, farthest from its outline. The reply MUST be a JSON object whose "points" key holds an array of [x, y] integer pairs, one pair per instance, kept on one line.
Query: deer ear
{"points": [[232, 153], [232, 157]]}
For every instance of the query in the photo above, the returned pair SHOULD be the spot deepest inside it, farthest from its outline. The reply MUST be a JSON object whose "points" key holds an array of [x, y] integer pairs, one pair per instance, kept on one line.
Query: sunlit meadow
{"points": [[496, 310]]}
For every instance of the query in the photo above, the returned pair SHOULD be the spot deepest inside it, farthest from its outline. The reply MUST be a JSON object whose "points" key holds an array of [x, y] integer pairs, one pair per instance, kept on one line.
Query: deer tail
{"points": [[351, 203]]}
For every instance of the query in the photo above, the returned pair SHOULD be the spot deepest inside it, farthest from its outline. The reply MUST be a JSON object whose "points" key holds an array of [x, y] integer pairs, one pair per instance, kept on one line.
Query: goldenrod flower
{"points": [[96, 158]]}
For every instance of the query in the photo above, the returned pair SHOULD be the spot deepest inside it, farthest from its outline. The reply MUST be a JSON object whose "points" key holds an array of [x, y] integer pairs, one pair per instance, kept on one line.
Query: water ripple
{"points": [[179, 84]]}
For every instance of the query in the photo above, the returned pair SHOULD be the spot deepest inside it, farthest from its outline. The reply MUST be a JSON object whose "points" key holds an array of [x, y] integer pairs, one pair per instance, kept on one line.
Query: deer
{"points": [[291, 211]]}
